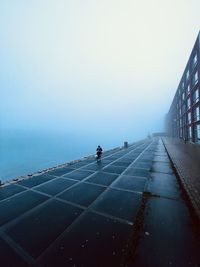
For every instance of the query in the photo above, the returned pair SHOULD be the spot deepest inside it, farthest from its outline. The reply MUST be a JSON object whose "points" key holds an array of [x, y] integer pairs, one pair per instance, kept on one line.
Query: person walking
{"points": [[99, 151]]}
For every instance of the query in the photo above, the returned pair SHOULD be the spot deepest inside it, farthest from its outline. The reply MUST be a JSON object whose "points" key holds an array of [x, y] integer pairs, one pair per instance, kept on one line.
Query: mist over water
{"points": [[23, 152]]}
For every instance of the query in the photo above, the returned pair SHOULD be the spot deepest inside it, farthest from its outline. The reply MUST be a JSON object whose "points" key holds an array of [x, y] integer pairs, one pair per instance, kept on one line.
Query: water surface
{"points": [[25, 152]]}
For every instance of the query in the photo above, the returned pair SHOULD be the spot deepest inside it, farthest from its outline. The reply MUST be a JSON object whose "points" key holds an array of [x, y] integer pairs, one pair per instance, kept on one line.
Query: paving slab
{"points": [[114, 169], [79, 174], [126, 160], [56, 186], [36, 180], [165, 185], [81, 163], [130, 158], [103, 242], [10, 258], [137, 172], [102, 178], [78, 165], [61, 171], [162, 167], [121, 163], [82, 193], [43, 226], [118, 203], [142, 164], [162, 158], [17, 205], [147, 157], [10, 190], [130, 183], [160, 153], [95, 166], [115, 157], [168, 238], [106, 160]]}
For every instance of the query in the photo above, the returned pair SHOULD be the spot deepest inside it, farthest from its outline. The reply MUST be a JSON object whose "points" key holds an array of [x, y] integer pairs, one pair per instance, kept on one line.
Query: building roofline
{"points": [[186, 66]]}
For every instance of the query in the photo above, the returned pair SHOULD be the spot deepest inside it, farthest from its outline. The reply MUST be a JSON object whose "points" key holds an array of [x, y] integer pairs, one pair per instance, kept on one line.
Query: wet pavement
{"points": [[127, 210], [185, 158]]}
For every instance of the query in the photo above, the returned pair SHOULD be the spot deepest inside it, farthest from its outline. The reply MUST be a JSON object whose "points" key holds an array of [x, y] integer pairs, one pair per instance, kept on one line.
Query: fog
{"points": [[106, 67]]}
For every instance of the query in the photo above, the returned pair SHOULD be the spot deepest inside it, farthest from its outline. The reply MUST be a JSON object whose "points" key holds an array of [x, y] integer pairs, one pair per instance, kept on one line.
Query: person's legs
{"points": [[98, 156]]}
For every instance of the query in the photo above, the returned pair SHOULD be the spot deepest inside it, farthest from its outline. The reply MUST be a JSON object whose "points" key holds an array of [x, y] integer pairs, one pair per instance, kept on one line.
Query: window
{"points": [[180, 112], [188, 89], [196, 114], [189, 117], [190, 133], [179, 91], [181, 123], [183, 96], [195, 78], [187, 74], [184, 120], [195, 96], [183, 109], [183, 85], [181, 132], [188, 103], [197, 133], [195, 60]]}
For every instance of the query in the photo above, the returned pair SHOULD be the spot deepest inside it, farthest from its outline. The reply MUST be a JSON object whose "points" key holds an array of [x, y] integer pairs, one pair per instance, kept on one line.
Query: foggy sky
{"points": [[89, 66]]}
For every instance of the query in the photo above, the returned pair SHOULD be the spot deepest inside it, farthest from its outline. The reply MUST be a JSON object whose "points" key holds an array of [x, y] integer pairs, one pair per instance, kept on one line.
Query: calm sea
{"points": [[25, 152]]}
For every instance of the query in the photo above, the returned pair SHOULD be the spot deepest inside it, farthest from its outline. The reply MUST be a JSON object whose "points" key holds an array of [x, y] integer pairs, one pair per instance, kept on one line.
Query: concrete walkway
{"points": [[186, 160], [126, 211]]}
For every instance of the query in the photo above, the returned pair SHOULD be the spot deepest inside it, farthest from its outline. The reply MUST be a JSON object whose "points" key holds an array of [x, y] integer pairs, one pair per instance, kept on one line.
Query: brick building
{"points": [[183, 118]]}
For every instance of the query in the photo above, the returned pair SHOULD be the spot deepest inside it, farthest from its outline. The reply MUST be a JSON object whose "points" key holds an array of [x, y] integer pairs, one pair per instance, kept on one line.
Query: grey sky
{"points": [[85, 65]]}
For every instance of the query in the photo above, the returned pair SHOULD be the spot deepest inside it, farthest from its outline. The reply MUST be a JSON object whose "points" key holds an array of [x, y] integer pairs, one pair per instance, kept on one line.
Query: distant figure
{"points": [[99, 153]]}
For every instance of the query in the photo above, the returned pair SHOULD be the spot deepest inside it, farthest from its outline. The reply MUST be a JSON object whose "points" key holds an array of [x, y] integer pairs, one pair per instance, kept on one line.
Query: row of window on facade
{"points": [[188, 87], [188, 103], [193, 64], [188, 119], [189, 134], [195, 80]]}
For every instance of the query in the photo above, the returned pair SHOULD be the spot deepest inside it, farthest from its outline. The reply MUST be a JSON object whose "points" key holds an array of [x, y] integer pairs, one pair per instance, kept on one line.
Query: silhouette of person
{"points": [[99, 152]]}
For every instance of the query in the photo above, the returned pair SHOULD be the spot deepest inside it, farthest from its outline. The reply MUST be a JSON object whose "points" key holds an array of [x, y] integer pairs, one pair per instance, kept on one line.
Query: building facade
{"points": [[183, 118]]}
